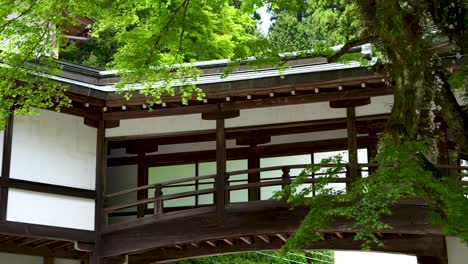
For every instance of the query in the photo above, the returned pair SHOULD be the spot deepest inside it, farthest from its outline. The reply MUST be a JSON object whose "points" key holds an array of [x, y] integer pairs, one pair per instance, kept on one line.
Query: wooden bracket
{"points": [[107, 123], [252, 140], [220, 115], [350, 103], [83, 246]]}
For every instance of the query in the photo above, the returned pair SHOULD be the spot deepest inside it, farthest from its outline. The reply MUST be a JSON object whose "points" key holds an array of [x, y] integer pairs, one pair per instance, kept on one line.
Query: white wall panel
{"points": [[54, 148], [7, 258], [49, 209], [457, 251], [248, 117]]}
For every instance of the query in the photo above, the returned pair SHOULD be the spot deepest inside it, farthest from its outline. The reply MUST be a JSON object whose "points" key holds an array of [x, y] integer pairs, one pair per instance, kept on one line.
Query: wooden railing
{"points": [[282, 180]]}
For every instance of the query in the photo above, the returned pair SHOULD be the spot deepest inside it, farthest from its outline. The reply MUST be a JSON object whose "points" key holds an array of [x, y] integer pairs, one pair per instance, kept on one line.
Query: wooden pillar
{"points": [[372, 148], [352, 143], [253, 159], [101, 170], [221, 180], [253, 162], [220, 166], [350, 106], [49, 260], [6, 162], [142, 180]]}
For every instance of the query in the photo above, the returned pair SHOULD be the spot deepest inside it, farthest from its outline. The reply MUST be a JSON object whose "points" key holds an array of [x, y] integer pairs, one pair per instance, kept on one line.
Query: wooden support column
{"points": [[350, 106], [142, 181], [101, 171], [253, 162], [372, 148], [6, 161], [220, 166], [49, 260], [352, 143], [220, 180]]}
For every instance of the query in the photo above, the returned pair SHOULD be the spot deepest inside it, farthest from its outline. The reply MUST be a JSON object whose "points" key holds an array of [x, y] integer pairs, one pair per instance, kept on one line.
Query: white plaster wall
{"points": [[457, 251], [248, 117], [7, 258], [49, 209], [54, 148]]}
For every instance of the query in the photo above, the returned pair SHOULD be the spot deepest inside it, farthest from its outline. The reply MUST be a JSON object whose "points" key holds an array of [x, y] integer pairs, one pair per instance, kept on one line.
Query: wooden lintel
{"points": [[252, 140], [220, 115], [142, 146], [249, 104], [107, 124], [265, 238], [246, 240], [50, 188], [229, 242], [350, 103], [211, 243], [282, 237], [45, 232]]}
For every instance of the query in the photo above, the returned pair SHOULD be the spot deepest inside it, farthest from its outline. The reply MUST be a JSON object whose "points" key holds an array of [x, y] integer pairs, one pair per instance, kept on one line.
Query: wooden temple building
{"points": [[107, 181]]}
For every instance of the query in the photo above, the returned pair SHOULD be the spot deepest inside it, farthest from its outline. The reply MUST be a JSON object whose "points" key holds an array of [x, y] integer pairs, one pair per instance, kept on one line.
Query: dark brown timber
{"points": [[6, 162], [352, 143], [220, 166]]}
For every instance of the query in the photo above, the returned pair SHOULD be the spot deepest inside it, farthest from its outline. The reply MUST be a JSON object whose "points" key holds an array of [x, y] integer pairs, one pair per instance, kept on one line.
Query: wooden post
{"points": [[372, 149], [220, 180], [142, 180], [352, 143], [101, 174], [158, 203], [6, 161], [253, 162], [49, 260], [285, 175], [220, 166]]}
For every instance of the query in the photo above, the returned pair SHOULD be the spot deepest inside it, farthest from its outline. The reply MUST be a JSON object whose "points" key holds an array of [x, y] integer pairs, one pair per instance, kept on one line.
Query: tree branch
{"points": [[349, 46]]}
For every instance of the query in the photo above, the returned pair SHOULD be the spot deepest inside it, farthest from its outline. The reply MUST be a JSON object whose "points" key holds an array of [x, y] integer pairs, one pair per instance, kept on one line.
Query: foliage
{"points": [[403, 172], [331, 22], [265, 257]]}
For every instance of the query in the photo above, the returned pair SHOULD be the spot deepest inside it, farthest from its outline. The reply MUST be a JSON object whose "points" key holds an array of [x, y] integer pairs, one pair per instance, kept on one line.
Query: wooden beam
{"points": [[350, 103], [45, 232], [193, 244], [50, 188], [242, 220], [338, 234], [252, 140], [6, 162], [265, 238], [229, 242], [282, 237], [247, 240], [83, 246], [216, 115], [220, 167], [211, 243], [412, 245], [249, 104], [43, 251]]}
